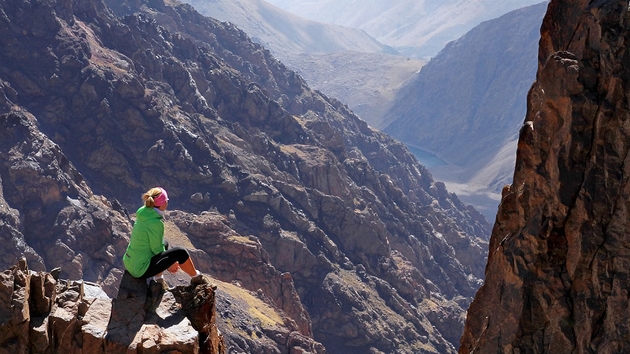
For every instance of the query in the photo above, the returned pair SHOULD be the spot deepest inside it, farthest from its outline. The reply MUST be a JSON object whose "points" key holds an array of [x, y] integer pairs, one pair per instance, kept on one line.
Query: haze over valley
{"points": [[419, 28], [460, 114], [468, 104]]}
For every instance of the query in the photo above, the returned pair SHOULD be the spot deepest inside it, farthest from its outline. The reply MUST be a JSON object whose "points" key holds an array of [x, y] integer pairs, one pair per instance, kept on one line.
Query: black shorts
{"points": [[161, 261]]}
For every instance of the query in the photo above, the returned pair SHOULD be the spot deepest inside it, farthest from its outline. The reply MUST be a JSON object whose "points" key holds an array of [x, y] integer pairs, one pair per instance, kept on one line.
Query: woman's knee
{"points": [[180, 253]]}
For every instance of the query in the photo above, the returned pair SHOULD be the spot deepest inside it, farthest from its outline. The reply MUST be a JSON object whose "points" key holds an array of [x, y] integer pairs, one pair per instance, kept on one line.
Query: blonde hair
{"points": [[149, 196]]}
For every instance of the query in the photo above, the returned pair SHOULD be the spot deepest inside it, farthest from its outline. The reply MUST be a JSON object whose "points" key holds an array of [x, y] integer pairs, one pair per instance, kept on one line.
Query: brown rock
{"points": [[199, 305], [43, 289], [84, 319], [556, 279], [94, 324]]}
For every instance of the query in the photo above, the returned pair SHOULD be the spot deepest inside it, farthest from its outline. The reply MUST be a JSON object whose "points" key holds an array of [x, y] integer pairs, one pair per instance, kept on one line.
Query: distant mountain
{"points": [[467, 104], [342, 62], [367, 82], [414, 27], [283, 32]]}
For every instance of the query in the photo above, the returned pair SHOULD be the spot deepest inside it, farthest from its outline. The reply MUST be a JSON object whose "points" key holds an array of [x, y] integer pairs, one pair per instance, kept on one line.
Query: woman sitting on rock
{"points": [[148, 254]]}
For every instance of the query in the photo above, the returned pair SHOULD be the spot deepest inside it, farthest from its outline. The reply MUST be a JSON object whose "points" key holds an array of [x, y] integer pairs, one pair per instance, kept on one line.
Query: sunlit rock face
{"points": [[329, 234], [557, 274]]}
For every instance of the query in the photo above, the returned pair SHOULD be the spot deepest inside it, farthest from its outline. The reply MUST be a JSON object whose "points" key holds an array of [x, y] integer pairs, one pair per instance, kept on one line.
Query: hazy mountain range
{"points": [[468, 103], [285, 33], [367, 82], [414, 27]]}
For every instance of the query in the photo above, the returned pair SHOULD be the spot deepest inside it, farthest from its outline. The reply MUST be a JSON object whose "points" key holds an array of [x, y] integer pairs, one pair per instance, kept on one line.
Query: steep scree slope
{"points": [[557, 274], [276, 187]]}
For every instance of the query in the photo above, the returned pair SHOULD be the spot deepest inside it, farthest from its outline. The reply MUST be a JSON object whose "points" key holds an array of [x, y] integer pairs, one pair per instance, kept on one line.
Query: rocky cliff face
{"points": [[557, 273], [322, 233]]}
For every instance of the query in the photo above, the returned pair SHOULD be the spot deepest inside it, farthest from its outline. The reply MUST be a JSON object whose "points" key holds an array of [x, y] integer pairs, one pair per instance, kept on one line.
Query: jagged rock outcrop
{"points": [[557, 273], [42, 314], [338, 238]]}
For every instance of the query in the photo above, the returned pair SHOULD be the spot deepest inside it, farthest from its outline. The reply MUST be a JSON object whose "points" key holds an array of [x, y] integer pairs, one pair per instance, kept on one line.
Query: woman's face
{"points": [[163, 207]]}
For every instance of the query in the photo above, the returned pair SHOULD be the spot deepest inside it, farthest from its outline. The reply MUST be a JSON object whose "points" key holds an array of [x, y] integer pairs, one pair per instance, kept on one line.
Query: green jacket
{"points": [[147, 240]]}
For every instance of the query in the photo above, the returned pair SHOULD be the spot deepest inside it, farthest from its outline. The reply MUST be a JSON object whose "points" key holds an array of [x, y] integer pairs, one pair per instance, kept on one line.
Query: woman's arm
{"points": [[156, 236]]}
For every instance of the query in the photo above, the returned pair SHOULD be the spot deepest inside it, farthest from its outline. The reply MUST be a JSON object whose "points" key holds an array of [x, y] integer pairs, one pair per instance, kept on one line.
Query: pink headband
{"points": [[161, 199]]}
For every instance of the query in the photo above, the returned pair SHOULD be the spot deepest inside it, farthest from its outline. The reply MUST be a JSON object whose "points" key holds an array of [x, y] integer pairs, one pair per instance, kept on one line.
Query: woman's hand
{"points": [[174, 267]]}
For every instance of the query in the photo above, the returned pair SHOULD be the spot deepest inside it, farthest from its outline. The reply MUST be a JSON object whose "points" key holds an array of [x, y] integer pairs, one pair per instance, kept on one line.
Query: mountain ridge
{"points": [[278, 189], [414, 28], [283, 32], [329, 66]]}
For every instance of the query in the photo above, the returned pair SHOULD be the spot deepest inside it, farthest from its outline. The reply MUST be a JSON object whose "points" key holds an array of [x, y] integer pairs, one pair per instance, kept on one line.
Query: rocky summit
{"points": [[557, 277], [322, 234]]}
